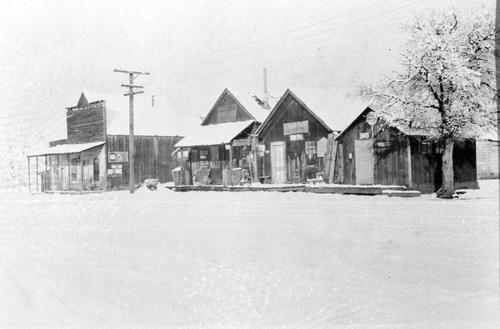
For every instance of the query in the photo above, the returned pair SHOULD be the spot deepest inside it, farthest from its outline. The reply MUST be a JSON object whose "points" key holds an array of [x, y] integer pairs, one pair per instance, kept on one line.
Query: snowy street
{"points": [[251, 259]]}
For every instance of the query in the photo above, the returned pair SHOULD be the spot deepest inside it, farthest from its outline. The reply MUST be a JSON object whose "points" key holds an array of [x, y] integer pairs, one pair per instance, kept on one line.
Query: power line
{"points": [[304, 37], [288, 32]]}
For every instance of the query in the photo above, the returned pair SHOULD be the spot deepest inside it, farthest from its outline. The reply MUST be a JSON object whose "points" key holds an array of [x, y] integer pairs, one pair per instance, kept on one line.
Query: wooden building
{"points": [[291, 142], [369, 153], [487, 157], [95, 153], [223, 140]]}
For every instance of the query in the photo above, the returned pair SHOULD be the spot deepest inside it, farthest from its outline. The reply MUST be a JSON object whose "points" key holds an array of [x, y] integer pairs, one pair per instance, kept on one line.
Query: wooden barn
{"points": [[371, 153], [291, 142], [95, 153], [223, 140]]}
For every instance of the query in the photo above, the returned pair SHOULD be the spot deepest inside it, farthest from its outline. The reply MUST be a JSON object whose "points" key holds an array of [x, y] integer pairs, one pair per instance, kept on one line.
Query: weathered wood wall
{"points": [[390, 155], [86, 125], [487, 159], [153, 158], [291, 111], [225, 102]]}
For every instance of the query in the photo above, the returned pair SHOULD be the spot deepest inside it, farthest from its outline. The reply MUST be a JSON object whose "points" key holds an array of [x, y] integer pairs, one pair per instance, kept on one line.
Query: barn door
{"points": [[363, 155], [278, 163]]}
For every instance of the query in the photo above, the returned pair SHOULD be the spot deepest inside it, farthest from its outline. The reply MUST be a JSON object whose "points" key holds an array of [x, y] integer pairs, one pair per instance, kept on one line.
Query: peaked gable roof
{"points": [[251, 104], [287, 93], [362, 114]]}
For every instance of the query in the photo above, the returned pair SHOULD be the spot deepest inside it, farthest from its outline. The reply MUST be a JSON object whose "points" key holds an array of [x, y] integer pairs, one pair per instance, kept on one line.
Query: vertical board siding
{"points": [[487, 159], [391, 161], [226, 99], [153, 158], [291, 111], [86, 125]]}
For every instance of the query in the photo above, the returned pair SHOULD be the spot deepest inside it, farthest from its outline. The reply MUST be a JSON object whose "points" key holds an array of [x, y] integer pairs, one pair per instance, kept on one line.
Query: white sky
{"points": [[52, 50]]}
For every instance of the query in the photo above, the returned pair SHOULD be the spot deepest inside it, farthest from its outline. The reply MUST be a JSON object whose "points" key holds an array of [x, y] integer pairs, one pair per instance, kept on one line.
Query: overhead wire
{"points": [[289, 31], [300, 38]]}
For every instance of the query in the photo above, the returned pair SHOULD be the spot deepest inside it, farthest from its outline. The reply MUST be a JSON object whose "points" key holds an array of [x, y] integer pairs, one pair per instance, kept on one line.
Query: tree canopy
{"points": [[446, 89]]}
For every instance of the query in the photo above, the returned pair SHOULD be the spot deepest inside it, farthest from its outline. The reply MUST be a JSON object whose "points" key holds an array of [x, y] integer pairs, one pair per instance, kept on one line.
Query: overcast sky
{"points": [[52, 50]]}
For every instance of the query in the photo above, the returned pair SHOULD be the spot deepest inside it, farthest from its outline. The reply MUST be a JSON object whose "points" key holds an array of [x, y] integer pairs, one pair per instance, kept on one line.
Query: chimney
{"points": [[266, 94]]}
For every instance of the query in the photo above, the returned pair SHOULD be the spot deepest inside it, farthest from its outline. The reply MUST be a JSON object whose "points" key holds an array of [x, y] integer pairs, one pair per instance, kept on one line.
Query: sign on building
{"points": [[298, 127], [118, 157], [116, 170], [241, 142]]}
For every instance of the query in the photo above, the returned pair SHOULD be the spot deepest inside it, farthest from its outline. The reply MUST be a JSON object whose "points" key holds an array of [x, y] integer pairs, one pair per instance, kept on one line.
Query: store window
{"points": [[311, 148], [214, 153]]}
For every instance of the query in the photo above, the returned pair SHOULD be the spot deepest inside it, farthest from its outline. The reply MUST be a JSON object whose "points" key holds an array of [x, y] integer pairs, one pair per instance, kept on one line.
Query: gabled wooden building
{"points": [[223, 140], [370, 152], [95, 153], [291, 142]]}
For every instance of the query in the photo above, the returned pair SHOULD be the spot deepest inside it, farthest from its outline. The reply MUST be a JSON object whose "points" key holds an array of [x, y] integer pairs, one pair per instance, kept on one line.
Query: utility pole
{"points": [[131, 92]]}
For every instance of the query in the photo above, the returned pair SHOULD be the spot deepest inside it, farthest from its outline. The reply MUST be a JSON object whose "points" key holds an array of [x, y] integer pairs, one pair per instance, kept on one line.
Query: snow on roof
{"points": [[66, 148], [153, 115], [213, 134], [336, 109], [254, 104]]}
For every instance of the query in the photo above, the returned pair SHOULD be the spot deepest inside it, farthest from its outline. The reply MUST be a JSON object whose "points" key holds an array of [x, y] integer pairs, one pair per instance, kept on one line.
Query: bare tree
{"points": [[446, 90]]}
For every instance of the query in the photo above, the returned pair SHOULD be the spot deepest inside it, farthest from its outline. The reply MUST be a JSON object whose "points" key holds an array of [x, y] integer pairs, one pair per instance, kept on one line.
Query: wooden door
{"points": [[363, 152], [278, 162]]}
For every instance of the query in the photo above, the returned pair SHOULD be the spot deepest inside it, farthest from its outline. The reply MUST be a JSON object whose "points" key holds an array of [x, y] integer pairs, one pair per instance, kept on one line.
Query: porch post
{"points": [[29, 176], [230, 156], [45, 176], [37, 174], [182, 166], [254, 138], [69, 172], [51, 180], [58, 173], [81, 171]]}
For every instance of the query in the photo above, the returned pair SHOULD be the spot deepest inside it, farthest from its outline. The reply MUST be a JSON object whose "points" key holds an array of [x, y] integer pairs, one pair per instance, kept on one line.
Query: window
{"points": [[73, 169], [203, 155], [96, 169], [311, 148], [214, 153]]}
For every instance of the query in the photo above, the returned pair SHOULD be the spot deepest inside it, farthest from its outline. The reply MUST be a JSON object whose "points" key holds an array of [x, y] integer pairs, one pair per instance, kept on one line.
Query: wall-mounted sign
{"points": [[364, 135], [297, 127], [241, 142], [118, 157], [296, 137], [262, 149], [115, 172]]}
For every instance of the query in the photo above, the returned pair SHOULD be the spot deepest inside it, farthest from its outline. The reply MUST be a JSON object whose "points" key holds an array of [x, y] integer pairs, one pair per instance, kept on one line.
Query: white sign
{"points": [[297, 137], [118, 156], [297, 127], [115, 172]]}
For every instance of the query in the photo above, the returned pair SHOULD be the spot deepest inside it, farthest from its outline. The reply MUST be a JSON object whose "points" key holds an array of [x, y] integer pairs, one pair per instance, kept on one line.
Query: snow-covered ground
{"points": [[251, 259]]}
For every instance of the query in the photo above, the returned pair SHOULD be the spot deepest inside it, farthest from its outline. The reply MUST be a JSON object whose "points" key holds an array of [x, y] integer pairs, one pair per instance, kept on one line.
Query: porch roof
{"points": [[213, 134], [65, 149]]}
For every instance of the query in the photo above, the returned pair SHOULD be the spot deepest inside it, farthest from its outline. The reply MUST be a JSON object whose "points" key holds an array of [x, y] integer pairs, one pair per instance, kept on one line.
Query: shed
{"points": [[370, 152]]}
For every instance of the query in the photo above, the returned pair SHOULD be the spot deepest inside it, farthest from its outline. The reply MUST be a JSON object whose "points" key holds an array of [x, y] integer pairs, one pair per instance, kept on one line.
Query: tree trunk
{"points": [[448, 184]]}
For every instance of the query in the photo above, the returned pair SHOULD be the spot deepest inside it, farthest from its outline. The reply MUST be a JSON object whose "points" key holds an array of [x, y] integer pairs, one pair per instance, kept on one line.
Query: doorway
{"points": [[363, 153], [278, 162]]}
